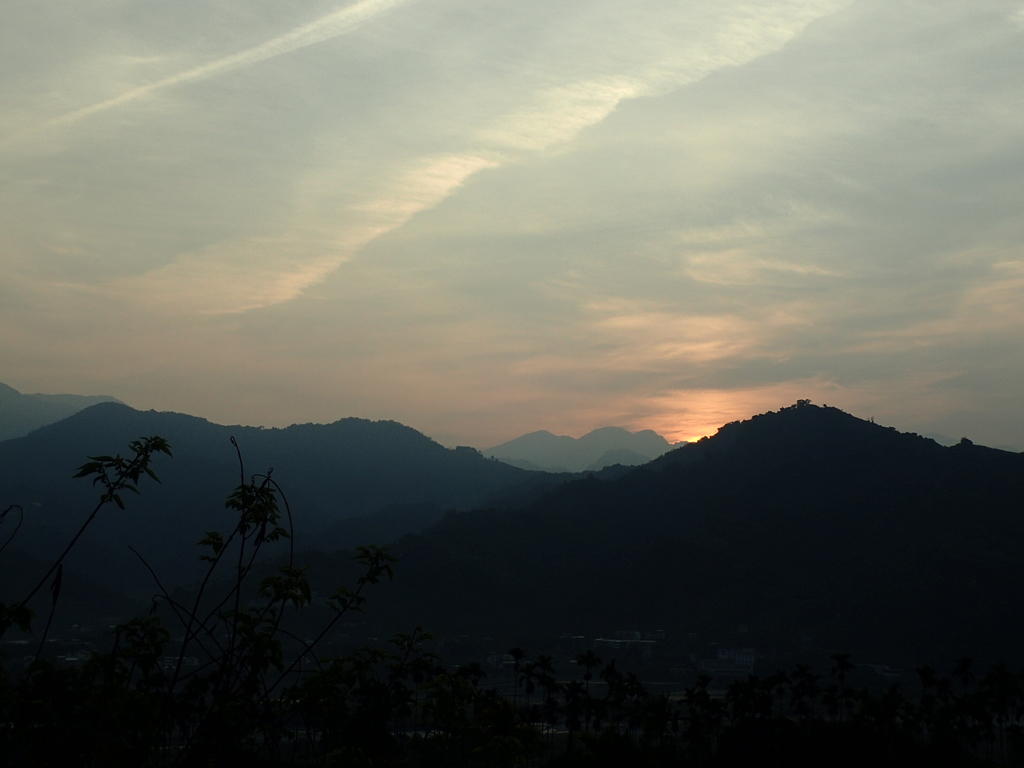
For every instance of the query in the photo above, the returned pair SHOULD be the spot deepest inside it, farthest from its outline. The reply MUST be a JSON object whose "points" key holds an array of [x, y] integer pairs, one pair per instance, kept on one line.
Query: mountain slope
{"points": [[804, 522]]}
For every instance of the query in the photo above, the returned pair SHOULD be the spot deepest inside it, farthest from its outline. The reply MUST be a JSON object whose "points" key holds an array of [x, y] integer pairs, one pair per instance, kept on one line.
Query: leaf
{"points": [[213, 539], [17, 615], [23, 616], [87, 469]]}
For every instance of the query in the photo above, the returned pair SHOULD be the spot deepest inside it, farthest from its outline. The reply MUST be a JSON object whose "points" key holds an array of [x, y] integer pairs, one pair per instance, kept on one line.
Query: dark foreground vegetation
{"points": [[219, 679], [400, 707]]}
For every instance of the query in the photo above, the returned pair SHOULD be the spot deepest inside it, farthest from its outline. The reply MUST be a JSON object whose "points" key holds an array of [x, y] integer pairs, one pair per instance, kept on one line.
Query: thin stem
{"points": [[179, 610], [120, 482], [102, 502], [21, 519], [57, 581], [189, 635], [319, 637], [241, 464]]}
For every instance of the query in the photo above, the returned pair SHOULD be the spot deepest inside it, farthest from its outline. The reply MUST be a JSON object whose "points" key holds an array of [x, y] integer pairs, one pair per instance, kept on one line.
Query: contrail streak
{"points": [[325, 28]]}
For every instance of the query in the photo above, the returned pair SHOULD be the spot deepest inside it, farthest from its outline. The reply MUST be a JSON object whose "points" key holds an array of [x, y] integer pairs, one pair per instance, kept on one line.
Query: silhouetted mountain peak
{"points": [[816, 432]]}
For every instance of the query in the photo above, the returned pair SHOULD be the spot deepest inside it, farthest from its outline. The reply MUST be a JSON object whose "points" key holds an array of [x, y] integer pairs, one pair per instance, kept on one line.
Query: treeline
{"points": [[400, 707]]}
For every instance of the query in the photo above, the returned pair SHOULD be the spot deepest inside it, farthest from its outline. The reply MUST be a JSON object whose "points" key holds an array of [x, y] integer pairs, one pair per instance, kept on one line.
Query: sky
{"points": [[484, 218]]}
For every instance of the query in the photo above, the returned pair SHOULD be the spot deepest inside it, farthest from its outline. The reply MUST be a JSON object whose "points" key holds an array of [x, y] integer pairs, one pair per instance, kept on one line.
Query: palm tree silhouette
{"points": [[517, 654], [530, 675], [840, 668], [589, 661]]}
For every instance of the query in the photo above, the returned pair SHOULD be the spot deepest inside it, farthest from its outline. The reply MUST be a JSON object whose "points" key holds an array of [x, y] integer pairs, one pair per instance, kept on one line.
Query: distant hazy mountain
{"points": [[20, 414], [595, 450], [803, 523], [330, 473]]}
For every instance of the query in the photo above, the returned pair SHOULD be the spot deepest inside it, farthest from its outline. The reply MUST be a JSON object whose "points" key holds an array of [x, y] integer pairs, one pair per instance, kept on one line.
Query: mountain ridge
{"points": [[22, 413], [347, 469], [801, 523]]}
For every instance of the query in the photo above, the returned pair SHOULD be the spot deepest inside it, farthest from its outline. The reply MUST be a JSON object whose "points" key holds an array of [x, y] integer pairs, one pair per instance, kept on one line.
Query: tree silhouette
{"points": [[517, 654]]}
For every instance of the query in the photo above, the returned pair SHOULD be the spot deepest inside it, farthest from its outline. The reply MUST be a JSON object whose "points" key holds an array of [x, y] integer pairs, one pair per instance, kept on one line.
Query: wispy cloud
{"points": [[248, 273], [560, 113], [325, 28], [557, 114], [427, 183]]}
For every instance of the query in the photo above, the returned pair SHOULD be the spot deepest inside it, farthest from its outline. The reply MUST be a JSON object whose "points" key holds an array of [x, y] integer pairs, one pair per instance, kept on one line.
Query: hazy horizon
{"points": [[484, 219]]}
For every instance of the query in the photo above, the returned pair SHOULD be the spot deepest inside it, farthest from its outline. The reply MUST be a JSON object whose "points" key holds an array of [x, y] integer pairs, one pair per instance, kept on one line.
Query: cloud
{"points": [[424, 186], [332, 25], [241, 274], [732, 37], [736, 266], [560, 113]]}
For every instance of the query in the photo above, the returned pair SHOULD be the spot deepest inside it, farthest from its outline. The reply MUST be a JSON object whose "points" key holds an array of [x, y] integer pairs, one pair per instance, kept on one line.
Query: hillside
{"points": [[802, 524], [331, 473]]}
